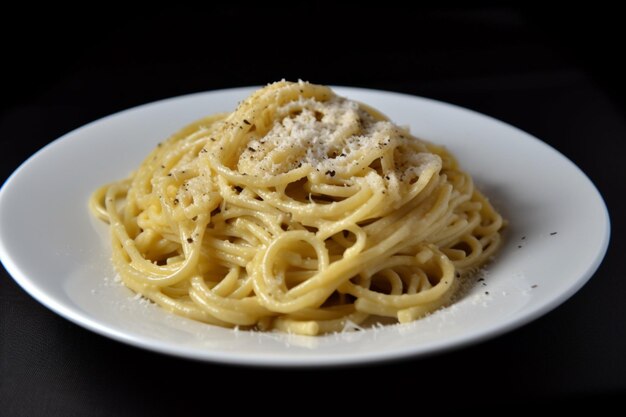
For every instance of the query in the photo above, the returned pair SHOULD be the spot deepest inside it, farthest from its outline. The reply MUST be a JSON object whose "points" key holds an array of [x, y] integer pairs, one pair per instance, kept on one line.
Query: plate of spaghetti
{"points": [[298, 224]]}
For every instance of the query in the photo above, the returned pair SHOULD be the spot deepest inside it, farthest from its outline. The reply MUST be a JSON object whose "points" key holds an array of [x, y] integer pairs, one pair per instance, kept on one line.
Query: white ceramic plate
{"points": [[558, 234]]}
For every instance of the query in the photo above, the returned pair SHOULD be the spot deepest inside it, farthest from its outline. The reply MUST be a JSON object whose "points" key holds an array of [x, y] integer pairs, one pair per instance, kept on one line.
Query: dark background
{"points": [[557, 74]]}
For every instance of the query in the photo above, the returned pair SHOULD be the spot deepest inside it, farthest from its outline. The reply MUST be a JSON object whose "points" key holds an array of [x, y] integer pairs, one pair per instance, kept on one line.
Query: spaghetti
{"points": [[300, 211]]}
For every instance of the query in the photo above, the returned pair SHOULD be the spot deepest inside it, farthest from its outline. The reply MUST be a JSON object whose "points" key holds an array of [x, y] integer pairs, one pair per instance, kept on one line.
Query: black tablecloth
{"points": [[505, 62]]}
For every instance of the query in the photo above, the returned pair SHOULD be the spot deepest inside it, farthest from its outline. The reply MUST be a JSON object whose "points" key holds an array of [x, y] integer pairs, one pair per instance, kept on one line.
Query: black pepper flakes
{"points": [[251, 149], [330, 172], [189, 240], [176, 201], [246, 122]]}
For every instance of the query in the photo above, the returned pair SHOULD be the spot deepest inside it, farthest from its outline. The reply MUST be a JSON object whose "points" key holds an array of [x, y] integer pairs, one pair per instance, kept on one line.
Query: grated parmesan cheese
{"points": [[330, 136]]}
